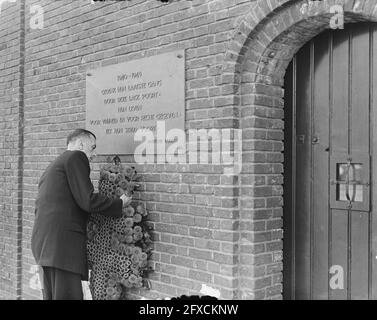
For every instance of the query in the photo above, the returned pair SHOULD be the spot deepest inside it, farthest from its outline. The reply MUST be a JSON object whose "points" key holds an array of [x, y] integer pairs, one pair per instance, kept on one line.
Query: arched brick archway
{"points": [[257, 57]]}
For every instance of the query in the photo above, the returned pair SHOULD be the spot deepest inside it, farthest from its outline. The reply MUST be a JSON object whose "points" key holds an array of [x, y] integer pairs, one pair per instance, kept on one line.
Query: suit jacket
{"points": [[65, 200]]}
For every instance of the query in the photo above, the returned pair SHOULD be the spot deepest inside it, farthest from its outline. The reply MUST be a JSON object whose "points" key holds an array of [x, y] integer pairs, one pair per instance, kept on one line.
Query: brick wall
{"points": [[11, 120], [225, 232], [193, 208]]}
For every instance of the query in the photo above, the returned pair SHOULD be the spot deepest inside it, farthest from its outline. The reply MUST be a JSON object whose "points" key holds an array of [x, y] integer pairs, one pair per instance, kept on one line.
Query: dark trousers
{"points": [[61, 285]]}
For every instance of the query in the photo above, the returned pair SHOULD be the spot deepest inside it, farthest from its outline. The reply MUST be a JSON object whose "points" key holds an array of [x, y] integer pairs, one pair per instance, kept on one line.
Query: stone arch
{"points": [[258, 54]]}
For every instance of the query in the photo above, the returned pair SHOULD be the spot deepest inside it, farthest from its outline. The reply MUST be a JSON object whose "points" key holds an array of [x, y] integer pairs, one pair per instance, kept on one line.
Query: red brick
{"points": [[200, 254], [200, 276]]}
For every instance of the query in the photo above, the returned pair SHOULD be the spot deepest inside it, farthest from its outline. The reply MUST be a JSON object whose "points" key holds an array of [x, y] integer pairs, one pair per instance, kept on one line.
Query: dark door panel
{"points": [[329, 224]]}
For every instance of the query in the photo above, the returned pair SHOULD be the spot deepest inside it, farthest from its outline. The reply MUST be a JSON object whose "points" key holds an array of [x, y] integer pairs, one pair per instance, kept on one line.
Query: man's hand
{"points": [[126, 200]]}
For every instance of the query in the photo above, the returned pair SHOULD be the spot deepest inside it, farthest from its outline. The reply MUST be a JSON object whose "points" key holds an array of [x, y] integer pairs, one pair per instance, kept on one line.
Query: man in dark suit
{"points": [[65, 200]]}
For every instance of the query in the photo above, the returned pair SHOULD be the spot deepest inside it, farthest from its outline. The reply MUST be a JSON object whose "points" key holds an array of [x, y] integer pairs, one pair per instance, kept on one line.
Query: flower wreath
{"points": [[118, 248]]}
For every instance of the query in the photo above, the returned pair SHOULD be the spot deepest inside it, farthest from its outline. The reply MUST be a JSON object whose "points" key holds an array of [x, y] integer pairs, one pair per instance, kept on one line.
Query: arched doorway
{"points": [[330, 154], [253, 73]]}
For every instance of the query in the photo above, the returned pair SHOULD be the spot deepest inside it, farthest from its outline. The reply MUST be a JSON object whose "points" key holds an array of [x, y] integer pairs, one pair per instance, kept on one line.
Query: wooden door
{"points": [[330, 204]]}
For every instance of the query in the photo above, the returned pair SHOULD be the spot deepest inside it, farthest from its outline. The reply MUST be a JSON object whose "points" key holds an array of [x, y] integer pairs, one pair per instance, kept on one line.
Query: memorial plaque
{"points": [[122, 98]]}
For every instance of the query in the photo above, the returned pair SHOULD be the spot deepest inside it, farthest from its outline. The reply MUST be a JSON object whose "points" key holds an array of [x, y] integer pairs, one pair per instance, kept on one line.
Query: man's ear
{"points": [[80, 144]]}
